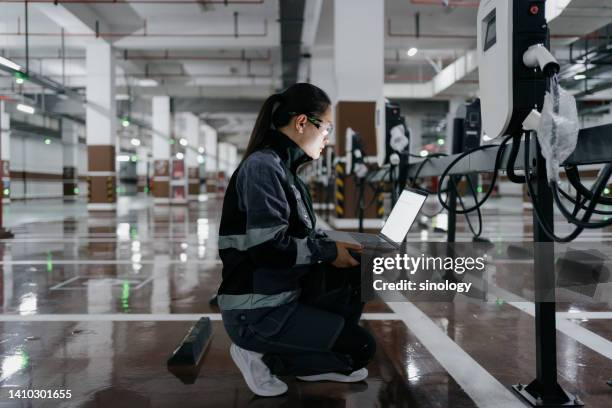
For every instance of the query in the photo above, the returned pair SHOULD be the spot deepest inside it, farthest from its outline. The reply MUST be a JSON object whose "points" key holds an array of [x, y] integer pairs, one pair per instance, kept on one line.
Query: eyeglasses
{"points": [[327, 127]]}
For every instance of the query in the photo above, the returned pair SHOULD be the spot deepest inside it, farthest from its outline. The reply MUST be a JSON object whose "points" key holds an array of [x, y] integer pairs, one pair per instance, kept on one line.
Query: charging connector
{"points": [[538, 55]]}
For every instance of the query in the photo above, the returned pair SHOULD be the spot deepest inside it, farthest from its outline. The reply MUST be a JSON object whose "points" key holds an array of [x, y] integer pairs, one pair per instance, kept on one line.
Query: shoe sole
{"points": [[332, 378], [238, 361]]}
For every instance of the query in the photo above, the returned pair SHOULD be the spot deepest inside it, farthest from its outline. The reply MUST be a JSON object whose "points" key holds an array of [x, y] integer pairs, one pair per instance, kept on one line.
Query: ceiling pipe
{"points": [[165, 56], [446, 3], [452, 36], [144, 35], [172, 2]]}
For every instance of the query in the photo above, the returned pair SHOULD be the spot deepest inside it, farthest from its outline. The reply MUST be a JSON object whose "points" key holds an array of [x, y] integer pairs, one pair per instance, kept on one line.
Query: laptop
{"points": [[396, 227]]}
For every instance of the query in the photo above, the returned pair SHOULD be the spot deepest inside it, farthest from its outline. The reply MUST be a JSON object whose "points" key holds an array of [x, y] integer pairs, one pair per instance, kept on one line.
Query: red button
{"points": [[534, 9]]}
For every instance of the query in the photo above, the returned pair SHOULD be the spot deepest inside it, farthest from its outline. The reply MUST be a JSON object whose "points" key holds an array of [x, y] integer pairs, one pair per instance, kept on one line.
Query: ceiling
{"points": [[203, 52]]}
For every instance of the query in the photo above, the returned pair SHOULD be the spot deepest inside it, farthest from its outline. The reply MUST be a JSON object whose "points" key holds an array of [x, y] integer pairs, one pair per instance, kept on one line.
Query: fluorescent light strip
{"points": [[25, 108], [8, 63]]}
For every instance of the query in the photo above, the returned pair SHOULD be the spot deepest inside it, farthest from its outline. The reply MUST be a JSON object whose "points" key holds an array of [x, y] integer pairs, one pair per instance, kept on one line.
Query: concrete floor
{"points": [[95, 303]]}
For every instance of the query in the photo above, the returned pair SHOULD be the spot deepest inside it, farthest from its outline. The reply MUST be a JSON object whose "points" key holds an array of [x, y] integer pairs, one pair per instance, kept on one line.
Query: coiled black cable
{"points": [[597, 190], [496, 167], [574, 178]]}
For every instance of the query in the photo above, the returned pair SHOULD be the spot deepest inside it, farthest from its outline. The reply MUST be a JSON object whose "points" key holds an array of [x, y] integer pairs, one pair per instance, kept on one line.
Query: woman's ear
{"points": [[300, 122]]}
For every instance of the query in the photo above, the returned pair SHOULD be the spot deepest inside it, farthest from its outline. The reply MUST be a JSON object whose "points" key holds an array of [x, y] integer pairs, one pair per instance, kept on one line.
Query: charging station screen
{"points": [[403, 215], [490, 30]]}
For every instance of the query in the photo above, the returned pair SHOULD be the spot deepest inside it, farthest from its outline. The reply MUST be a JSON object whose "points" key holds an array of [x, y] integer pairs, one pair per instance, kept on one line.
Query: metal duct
{"points": [[291, 20]]}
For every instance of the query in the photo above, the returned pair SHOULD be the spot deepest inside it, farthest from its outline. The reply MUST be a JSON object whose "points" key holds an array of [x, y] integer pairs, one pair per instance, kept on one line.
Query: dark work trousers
{"points": [[317, 334]]}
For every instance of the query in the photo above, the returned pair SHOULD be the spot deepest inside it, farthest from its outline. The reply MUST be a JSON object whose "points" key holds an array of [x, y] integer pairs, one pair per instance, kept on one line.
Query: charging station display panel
{"points": [[495, 69], [403, 215], [490, 34]]}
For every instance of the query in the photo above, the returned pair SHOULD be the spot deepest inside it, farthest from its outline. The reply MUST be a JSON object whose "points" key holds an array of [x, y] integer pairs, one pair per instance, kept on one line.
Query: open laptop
{"points": [[395, 229]]}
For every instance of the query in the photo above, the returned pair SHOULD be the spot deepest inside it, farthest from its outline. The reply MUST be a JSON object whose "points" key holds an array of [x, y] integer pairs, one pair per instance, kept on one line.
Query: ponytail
{"points": [[263, 124], [279, 108]]}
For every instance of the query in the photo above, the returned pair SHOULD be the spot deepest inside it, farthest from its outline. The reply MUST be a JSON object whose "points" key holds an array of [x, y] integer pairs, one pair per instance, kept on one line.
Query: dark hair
{"points": [[301, 98]]}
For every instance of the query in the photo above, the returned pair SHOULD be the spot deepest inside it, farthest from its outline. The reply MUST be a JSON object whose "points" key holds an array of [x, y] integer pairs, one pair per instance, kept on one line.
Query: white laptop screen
{"points": [[403, 215]]}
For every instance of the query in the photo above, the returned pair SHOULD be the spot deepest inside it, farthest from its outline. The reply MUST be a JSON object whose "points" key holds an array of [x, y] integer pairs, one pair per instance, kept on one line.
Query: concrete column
{"points": [[101, 126], [5, 153], [70, 142], [358, 32], [192, 134], [210, 157], [161, 149], [178, 163], [142, 169], [322, 74]]}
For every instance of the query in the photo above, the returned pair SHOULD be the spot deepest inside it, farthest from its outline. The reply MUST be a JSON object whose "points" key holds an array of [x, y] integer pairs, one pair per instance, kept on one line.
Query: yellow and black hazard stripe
{"points": [[380, 205], [340, 176]]}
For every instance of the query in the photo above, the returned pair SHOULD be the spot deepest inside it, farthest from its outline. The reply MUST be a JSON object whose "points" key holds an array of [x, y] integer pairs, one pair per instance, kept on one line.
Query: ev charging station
{"points": [[515, 71]]}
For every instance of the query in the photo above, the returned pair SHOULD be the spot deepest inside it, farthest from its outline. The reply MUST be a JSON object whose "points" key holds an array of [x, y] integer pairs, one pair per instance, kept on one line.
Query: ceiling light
{"points": [[200, 159], [123, 158], [19, 80], [183, 141], [25, 108], [578, 77], [200, 149], [412, 52], [135, 142], [8, 63], [424, 153], [147, 82], [122, 97], [179, 156]]}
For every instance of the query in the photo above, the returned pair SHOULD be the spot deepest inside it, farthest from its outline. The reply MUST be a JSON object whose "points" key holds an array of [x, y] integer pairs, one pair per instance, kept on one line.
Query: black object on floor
{"points": [[193, 346]]}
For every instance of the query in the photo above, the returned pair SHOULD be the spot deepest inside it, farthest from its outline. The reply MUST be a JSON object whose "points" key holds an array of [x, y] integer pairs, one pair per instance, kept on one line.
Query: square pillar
{"points": [[101, 125], [161, 150]]}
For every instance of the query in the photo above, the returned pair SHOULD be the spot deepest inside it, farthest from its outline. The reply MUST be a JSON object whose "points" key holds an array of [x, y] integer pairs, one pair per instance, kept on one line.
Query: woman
{"points": [[290, 297]]}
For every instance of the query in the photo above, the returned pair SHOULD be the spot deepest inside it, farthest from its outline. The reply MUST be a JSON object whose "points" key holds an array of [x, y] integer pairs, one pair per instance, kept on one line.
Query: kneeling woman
{"points": [[290, 297]]}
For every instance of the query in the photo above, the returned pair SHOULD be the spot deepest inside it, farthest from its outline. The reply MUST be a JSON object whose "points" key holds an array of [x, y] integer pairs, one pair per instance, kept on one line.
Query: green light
{"points": [[20, 77], [171, 141], [49, 262], [499, 302], [479, 189], [606, 190], [76, 190], [125, 295], [47, 141], [134, 158], [441, 142], [133, 233], [125, 122], [146, 189], [7, 192]]}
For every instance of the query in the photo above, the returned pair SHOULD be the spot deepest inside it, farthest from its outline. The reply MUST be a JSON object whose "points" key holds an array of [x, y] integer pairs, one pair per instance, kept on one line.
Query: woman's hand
{"points": [[344, 259]]}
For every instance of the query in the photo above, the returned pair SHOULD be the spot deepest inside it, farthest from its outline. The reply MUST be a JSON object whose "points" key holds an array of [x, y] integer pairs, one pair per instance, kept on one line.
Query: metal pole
{"points": [[27, 40]]}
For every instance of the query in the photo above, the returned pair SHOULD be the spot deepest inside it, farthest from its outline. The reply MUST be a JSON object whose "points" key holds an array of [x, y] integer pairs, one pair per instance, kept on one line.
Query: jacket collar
{"points": [[291, 154]]}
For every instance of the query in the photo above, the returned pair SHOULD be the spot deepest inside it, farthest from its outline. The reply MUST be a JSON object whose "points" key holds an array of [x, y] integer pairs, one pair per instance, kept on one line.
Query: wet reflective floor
{"points": [[96, 303]]}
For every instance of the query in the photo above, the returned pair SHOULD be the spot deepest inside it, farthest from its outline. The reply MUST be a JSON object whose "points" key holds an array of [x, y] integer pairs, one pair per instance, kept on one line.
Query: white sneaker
{"points": [[355, 376], [256, 374]]}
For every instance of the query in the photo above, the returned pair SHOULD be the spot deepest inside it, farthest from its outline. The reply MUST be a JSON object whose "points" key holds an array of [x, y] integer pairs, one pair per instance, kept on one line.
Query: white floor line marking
{"points": [[585, 315], [476, 381], [144, 283], [111, 262], [144, 317], [584, 336], [59, 285]]}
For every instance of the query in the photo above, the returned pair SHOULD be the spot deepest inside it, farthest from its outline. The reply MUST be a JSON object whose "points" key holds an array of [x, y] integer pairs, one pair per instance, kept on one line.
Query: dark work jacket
{"points": [[267, 235]]}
